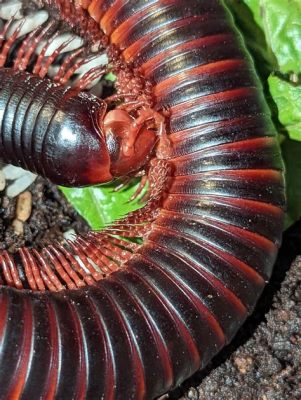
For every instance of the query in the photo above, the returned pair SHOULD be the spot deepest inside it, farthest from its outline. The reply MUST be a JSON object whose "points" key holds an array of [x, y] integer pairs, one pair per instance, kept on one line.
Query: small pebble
{"points": [[192, 394], [283, 315], [2, 181], [243, 364], [24, 205], [18, 227]]}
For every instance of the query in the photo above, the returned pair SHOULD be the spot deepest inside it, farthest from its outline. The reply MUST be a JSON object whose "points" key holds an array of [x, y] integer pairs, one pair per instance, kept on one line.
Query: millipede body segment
{"points": [[105, 318], [52, 131]]}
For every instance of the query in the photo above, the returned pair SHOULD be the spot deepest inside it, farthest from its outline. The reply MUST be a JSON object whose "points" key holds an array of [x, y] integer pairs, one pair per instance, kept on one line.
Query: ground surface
{"points": [[51, 216]]}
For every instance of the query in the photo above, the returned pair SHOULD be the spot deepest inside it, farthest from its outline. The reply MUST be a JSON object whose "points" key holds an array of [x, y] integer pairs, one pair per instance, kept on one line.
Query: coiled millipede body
{"points": [[105, 318]]}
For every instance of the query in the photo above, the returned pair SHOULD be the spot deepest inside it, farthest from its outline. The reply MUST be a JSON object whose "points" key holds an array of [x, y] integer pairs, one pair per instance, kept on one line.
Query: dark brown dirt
{"points": [[51, 216], [264, 360]]}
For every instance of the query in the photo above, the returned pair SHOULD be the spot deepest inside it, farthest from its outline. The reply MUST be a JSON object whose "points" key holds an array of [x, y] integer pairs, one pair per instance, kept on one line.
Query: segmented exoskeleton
{"points": [[126, 321]]}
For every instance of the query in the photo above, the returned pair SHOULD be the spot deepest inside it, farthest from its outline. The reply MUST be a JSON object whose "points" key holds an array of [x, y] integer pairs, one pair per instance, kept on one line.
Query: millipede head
{"points": [[130, 145]]}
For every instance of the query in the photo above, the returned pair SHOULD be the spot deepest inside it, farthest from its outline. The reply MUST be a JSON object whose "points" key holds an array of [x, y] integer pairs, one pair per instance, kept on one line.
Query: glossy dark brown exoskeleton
{"points": [[66, 135], [103, 317]]}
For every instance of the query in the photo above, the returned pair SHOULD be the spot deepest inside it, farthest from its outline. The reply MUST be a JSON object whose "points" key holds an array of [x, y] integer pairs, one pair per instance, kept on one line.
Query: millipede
{"points": [[104, 316]]}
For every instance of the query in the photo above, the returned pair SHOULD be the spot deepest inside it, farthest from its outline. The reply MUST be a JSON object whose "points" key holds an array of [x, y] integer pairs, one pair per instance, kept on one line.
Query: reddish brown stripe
{"points": [[21, 371]]}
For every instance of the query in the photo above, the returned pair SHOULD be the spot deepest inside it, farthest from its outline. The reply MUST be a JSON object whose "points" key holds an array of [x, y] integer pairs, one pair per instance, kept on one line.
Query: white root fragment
{"points": [[82, 264], [72, 42], [20, 184], [24, 206], [102, 59], [20, 178], [11, 172], [70, 235], [29, 23], [10, 9]]}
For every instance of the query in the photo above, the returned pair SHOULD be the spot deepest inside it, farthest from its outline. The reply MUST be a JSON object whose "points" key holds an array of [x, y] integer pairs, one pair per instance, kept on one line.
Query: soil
{"points": [[263, 361], [51, 216]]}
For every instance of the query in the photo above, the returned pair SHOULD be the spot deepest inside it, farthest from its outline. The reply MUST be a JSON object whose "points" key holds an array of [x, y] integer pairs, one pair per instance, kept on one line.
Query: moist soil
{"points": [[51, 216], [263, 361]]}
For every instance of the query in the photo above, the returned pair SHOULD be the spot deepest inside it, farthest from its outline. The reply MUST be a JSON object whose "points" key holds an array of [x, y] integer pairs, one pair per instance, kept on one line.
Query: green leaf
{"points": [[288, 100], [282, 25], [110, 77], [291, 151], [281, 22], [254, 6], [247, 16], [101, 205], [272, 31]]}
